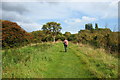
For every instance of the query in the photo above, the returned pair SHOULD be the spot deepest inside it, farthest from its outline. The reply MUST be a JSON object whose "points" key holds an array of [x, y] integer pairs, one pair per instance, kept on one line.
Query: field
{"points": [[48, 60]]}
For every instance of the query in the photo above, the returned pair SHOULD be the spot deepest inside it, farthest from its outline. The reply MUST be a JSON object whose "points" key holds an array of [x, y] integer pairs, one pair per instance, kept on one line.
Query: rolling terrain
{"points": [[48, 60]]}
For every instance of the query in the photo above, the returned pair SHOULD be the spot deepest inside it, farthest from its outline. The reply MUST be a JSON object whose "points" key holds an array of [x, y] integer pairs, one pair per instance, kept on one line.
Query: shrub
{"points": [[13, 35]]}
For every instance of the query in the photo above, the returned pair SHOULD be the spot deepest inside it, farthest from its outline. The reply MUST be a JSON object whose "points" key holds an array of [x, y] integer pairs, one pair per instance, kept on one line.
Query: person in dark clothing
{"points": [[65, 44]]}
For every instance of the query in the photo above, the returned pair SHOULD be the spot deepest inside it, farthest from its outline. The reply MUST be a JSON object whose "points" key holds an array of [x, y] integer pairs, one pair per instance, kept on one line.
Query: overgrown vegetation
{"points": [[101, 38], [13, 36]]}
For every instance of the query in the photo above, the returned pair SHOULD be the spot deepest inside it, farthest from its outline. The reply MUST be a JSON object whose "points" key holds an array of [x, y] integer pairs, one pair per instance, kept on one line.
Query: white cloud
{"points": [[63, 10], [10, 6], [58, 0], [14, 16], [72, 21], [29, 27], [83, 20], [88, 19], [91, 12], [12, 12], [97, 9], [77, 20], [40, 11], [74, 25]]}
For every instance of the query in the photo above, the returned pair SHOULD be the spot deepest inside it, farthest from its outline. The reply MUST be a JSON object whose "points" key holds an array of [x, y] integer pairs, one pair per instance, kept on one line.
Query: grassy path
{"points": [[66, 64], [50, 61]]}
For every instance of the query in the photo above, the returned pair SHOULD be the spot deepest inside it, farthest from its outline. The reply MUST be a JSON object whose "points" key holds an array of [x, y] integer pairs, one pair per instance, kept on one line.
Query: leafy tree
{"points": [[96, 26], [67, 35], [13, 35], [38, 36], [88, 26], [52, 28]]}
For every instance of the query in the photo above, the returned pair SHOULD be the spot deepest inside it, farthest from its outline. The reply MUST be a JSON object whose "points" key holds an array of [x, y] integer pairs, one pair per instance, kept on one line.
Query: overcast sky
{"points": [[72, 14]]}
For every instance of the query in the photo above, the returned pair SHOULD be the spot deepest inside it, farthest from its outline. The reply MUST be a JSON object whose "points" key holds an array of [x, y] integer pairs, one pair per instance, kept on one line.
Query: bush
{"points": [[100, 38], [13, 35]]}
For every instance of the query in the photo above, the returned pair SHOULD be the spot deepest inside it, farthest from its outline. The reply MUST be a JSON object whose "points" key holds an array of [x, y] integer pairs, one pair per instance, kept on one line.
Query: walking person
{"points": [[65, 42]]}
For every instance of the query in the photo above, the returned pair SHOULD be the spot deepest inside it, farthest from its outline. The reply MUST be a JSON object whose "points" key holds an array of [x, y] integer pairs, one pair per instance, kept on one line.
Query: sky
{"points": [[71, 14]]}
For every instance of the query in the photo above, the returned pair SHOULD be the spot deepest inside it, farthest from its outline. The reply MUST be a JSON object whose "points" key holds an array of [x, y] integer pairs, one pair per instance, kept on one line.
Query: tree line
{"points": [[14, 36]]}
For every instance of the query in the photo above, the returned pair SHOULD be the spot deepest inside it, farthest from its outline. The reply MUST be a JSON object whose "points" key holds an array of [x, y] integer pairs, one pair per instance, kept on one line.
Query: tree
{"points": [[52, 28], [88, 26], [13, 35], [38, 36], [96, 26], [67, 34]]}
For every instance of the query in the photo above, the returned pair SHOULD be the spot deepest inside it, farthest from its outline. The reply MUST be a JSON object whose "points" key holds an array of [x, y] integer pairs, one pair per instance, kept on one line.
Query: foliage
{"points": [[52, 28], [43, 36], [100, 38], [96, 26], [67, 35], [37, 36], [88, 26], [13, 35]]}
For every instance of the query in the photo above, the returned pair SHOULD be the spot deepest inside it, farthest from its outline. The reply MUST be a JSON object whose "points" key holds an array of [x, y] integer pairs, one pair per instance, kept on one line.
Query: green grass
{"points": [[49, 60]]}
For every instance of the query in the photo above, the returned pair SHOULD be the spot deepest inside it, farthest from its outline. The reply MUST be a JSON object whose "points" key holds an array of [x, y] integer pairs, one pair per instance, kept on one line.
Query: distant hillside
{"points": [[12, 34]]}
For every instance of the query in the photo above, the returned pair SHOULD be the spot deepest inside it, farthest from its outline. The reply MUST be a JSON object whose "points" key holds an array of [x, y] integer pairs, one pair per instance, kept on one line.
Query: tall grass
{"points": [[47, 60], [21, 59], [100, 63]]}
